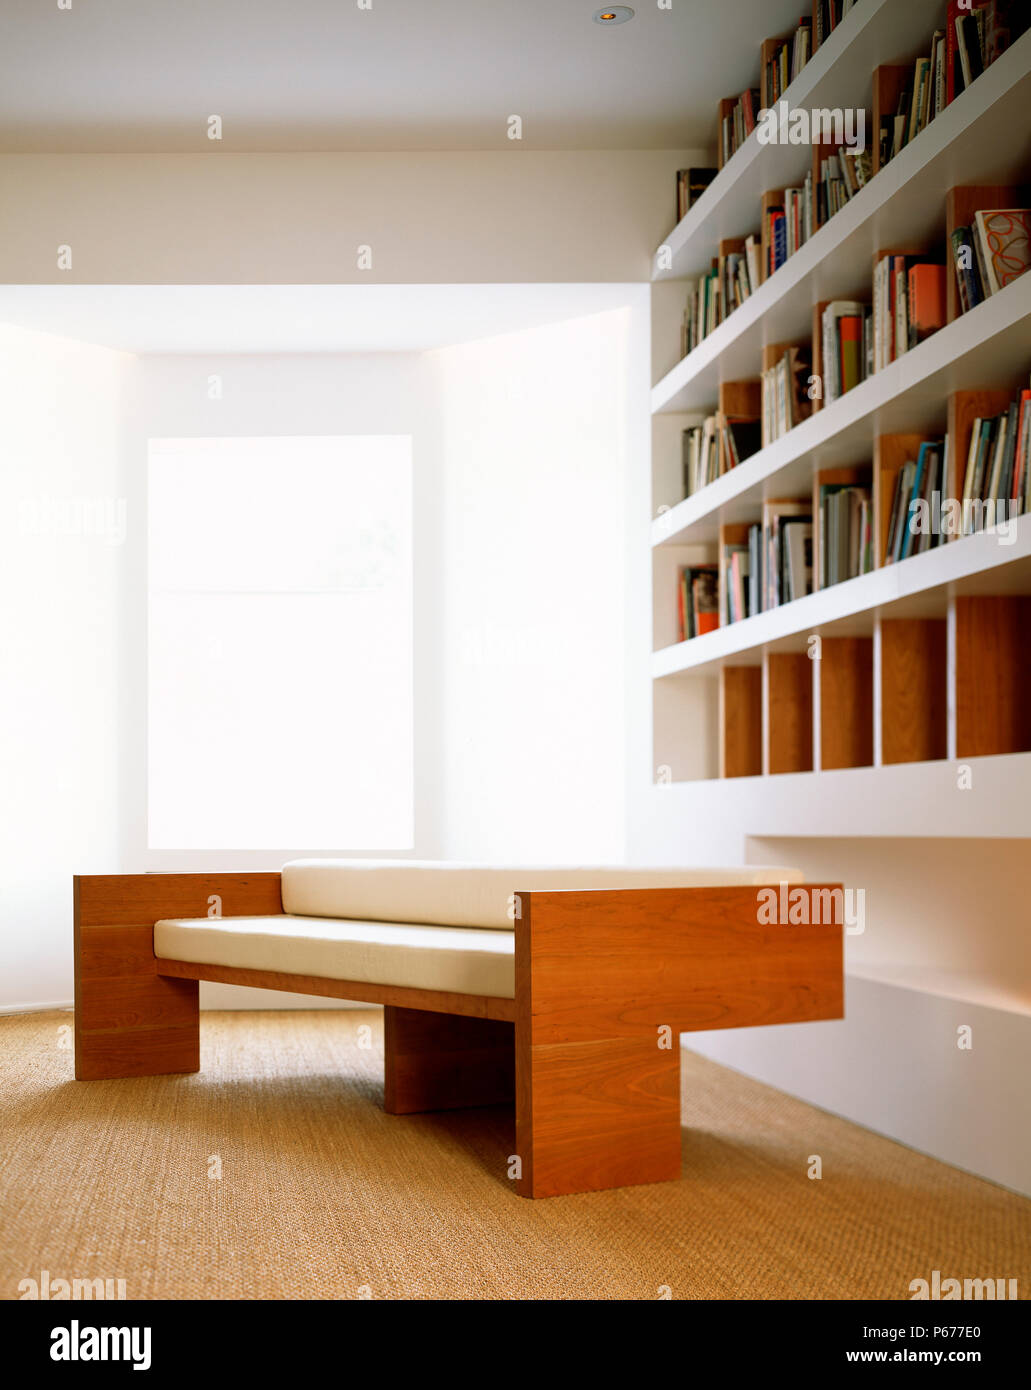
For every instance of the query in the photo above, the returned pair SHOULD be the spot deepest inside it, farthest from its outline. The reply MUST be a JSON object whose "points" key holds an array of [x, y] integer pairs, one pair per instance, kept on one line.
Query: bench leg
{"points": [[595, 1114], [129, 1020], [435, 1061]]}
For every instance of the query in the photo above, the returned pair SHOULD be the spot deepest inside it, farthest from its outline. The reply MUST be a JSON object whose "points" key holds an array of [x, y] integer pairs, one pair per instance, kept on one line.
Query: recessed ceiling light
{"points": [[615, 14]]}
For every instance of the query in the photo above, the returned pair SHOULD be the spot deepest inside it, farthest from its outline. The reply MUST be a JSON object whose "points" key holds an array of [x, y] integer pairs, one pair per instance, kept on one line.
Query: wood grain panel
{"points": [[435, 1061], [117, 899], [603, 1114], [595, 1087], [993, 676], [741, 398], [429, 1000], [128, 1020], [741, 721], [913, 690], [846, 702], [788, 692]]}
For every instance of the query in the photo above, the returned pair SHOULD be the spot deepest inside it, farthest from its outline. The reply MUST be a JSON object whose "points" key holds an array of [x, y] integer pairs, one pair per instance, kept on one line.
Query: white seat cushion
{"points": [[471, 895], [456, 960], [418, 925]]}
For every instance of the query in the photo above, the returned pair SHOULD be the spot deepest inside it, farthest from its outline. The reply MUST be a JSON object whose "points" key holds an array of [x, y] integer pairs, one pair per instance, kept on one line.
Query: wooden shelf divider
{"points": [[913, 689], [787, 712], [741, 721], [845, 681], [991, 668]]}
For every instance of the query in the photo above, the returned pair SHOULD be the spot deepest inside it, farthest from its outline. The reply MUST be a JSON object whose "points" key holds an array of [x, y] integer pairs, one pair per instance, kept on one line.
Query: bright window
{"points": [[280, 643]]}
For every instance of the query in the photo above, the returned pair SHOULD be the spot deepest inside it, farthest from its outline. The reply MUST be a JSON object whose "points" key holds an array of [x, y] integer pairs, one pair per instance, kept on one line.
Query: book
{"points": [[697, 601], [844, 532], [797, 549], [700, 455], [843, 363], [908, 531], [968, 275], [925, 301], [691, 184], [969, 28], [850, 330], [899, 510], [778, 517], [742, 438], [1002, 239]]}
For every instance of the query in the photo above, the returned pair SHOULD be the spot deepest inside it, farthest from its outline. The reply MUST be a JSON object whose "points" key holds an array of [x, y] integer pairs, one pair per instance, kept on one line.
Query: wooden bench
{"points": [[589, 987]]}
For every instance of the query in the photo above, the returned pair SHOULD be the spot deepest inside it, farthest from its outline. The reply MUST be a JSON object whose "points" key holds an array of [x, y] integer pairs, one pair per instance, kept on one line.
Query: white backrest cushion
{"points": [[470, 895]]}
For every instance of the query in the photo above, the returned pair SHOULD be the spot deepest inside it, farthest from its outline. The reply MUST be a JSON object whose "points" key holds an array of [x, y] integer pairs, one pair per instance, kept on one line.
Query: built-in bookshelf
{"points": [[921, 660]]}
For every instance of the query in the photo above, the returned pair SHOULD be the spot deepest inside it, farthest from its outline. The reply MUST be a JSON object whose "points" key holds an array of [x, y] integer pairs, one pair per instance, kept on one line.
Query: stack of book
{"points": [[845, 522], [740, 277], [785, 563], [691, 184], [842, 174], [923, 96], [785, 393], [776, 239], [828, 15], [847, 343], [700, 454], [976, 33], [800, 215], [737, 572], [715, 446], [998, 469], [738, 124], [702, 311], [786, 62], [991, 253], [912, 505], [740, 438], [697, 601], [908, 305]]}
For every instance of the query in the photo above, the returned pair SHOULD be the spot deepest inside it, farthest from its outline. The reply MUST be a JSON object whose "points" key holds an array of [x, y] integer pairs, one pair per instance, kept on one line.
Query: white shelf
{"points": [[971, 141], [915, 588], [956, 985], [991, 345], [840, 73], [888, 802]]}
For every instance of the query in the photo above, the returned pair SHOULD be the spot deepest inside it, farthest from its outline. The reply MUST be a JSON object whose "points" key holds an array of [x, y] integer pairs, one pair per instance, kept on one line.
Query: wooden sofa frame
{"points": [[588, 1048]]}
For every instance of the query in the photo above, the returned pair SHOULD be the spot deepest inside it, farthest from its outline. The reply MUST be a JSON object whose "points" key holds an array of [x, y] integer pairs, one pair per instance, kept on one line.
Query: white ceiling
{"points": [[297, 318], [290, 75]]}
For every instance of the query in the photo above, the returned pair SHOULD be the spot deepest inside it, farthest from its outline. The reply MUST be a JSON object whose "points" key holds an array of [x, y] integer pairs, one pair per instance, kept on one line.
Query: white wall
{"points": [[537, 441], [63, 576], [216, 218], [519, 662]]}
